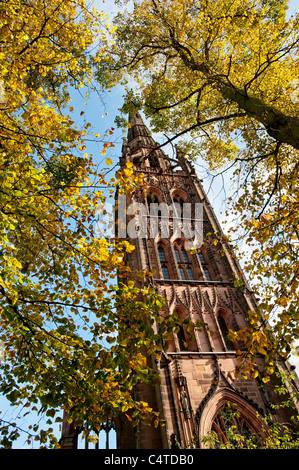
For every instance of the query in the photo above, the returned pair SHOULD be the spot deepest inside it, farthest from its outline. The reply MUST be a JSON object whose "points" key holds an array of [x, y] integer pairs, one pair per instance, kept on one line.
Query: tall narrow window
{"points": [[162, 254], [207, 274], [201, 258], [179, 200], [205, 269], [185, 265], [224, 330], [182, 273], [178, 203], [184, 255], [182, 339], [163, 262], [189, 273], [177, 255], [165, 272]]}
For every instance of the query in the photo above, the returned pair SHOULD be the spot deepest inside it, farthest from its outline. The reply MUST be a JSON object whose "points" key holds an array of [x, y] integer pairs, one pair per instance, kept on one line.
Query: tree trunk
{"points": [[278, 125]]}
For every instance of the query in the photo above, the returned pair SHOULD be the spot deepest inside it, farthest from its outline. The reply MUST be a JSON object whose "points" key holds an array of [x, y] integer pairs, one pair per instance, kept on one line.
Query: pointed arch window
{"points": [[185, 265], [224, 331], [163, 262], [182, 339], [177, 254], [225, 419], [205, 269], [179, 200], [184, 255], [152, 199]]}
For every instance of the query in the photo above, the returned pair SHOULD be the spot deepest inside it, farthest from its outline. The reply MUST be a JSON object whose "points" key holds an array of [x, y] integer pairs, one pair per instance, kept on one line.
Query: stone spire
{"points": [[140, 147], [138, 133]]}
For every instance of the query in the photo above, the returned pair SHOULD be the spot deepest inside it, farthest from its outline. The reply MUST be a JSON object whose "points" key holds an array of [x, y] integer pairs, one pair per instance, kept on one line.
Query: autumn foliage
{"points": [[60, 309], [220, 79]]}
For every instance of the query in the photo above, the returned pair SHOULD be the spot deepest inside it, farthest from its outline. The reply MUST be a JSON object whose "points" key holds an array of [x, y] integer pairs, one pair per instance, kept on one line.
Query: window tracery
{"points": [[226, 420], [184, 263]]}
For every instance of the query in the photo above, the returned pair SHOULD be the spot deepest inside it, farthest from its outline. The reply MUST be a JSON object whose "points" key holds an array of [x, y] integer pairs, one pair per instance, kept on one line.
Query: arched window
{"points": [[224, 331], [184, 255], [205, 269], [179, 200], [177, 254], [182, 339], [185, 339], [185, 265], [163, 262], [152, 199], [227, 419]]}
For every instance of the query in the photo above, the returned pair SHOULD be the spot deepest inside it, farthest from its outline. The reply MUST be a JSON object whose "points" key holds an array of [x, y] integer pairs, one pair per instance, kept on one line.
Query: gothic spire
{"points": [[141, 147], [138, 133]]}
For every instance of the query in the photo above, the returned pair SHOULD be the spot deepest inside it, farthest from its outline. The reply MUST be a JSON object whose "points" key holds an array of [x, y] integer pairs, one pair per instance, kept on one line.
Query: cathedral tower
{"points": [[196, 371]]}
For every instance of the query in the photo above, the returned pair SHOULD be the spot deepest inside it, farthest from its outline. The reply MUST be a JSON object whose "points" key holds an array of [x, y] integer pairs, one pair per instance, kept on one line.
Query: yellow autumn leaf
{"points": [[282, 302]]}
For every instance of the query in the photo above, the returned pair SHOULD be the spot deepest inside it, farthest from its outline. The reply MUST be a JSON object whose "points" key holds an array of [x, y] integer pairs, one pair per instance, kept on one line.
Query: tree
{"points": [[60, 310], [223, 75]]}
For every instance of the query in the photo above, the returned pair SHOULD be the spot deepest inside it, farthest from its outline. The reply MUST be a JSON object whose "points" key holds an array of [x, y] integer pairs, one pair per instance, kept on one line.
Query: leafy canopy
{"points": [[63, 322], [223, 76]]}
